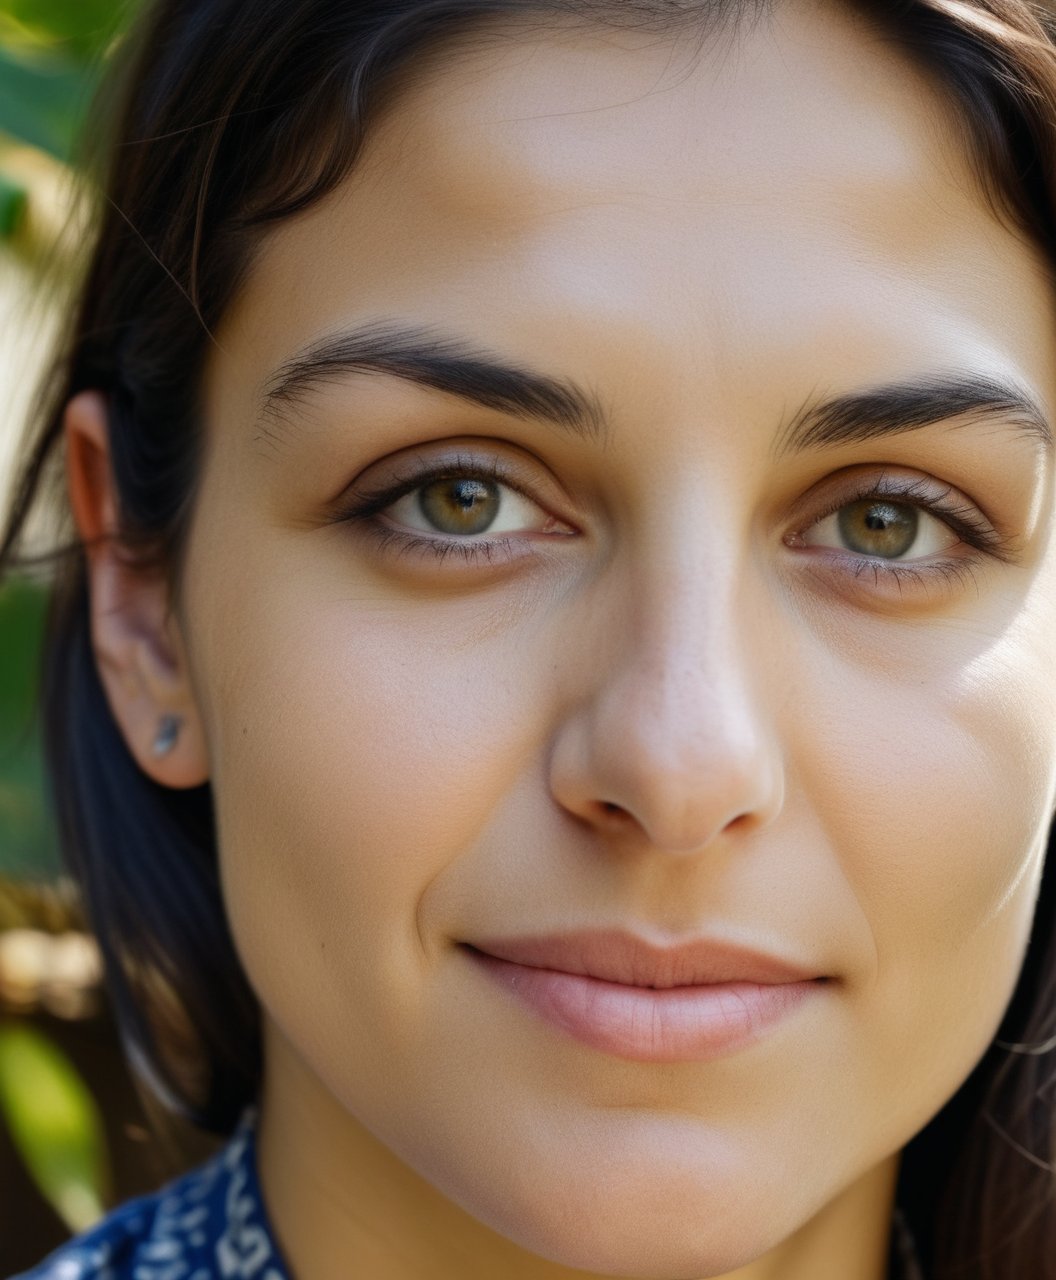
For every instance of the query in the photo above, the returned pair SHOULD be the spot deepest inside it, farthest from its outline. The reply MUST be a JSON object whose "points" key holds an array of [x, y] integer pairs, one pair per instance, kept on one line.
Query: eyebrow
{"points": [[447, 364], [460, 368], [924, 401]]}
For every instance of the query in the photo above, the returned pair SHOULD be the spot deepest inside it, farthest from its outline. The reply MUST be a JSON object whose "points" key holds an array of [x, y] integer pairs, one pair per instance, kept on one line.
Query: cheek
{"points": [[947, 758], [358, 751]]}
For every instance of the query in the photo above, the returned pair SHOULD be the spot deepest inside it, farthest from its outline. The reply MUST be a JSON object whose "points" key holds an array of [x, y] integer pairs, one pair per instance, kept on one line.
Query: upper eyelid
{"points": [[370, 500], [494, 466], [913, 492], [867, 484]]}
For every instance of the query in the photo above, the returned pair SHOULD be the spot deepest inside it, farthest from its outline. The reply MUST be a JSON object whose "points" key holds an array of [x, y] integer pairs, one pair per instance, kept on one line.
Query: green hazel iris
{"points": [[877, 528], [460, 504]]}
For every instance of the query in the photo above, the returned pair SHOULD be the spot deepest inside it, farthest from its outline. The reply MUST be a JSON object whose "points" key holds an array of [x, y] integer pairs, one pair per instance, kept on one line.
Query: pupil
{"points": [[878, 528], [460, 504]]}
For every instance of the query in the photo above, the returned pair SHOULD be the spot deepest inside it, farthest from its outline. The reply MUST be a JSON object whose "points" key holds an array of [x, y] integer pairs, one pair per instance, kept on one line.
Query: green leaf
{"points": [[43, 99], [23, 607], [52, 56], [83, 27], [28, 841], [13, 198], [55, 1125]]}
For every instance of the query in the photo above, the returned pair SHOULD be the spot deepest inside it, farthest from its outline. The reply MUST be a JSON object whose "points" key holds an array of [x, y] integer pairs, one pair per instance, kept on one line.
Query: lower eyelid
{"points": [[898, 582], [475, 551], [959, 572]]}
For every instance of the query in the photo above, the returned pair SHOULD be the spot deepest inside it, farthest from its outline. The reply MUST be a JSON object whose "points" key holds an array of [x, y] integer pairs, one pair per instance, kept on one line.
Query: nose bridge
{"points": [[688, 674], [679, 735]]}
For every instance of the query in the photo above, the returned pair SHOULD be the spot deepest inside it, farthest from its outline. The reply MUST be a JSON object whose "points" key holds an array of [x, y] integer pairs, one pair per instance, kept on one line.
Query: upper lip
{"points": [[617, 955]]}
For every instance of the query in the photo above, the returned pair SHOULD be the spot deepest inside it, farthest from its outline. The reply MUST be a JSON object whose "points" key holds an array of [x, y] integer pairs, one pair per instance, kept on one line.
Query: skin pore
{"points": [[675, 695]]}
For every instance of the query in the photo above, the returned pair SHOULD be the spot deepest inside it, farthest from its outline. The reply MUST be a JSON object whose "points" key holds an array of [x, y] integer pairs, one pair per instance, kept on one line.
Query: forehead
{"points": [[526, 185], [809, 103]]}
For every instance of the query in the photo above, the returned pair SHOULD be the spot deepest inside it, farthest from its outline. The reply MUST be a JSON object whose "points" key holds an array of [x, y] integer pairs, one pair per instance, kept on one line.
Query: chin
{"points": [[608, 1227], [683, 1251]]}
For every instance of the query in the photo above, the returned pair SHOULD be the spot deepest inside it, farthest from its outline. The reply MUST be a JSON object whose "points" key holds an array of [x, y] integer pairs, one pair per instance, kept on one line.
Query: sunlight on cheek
{"points": [[368, 767], [1008, 713]]}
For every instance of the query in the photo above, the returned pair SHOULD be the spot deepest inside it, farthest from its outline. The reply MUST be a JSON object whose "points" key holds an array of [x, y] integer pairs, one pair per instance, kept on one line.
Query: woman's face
{"points": [[683, 653]]}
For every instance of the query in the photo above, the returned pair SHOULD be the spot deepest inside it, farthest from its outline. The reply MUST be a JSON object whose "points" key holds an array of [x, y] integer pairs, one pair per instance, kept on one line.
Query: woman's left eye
{"points": [[884, 528]]}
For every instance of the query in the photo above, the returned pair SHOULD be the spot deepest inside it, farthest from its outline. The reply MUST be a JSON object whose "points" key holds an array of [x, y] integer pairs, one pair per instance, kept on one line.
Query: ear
{"points": [[138, 648]]}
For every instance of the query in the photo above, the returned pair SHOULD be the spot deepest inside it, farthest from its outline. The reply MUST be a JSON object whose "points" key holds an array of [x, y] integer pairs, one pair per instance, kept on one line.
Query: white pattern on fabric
{"points": [[209, 1223]]}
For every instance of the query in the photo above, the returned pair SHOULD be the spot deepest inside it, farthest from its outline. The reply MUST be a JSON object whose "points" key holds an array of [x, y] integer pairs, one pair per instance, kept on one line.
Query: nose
{"points": [[673, 742]]}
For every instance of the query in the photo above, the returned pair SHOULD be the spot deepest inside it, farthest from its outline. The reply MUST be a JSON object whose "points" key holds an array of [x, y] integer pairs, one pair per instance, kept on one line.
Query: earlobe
{"points": [[135, 635]]}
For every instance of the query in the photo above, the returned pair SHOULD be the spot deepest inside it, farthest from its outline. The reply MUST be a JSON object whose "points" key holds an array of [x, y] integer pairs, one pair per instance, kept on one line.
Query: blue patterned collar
{"points": [[209, 1222]]}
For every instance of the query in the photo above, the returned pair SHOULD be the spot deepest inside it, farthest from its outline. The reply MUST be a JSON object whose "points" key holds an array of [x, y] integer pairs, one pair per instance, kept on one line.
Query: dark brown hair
{"points": [[220, 118]]}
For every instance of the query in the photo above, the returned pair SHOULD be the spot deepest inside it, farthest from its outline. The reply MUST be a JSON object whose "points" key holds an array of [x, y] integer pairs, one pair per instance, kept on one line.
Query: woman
{"points": [[550, 698]]}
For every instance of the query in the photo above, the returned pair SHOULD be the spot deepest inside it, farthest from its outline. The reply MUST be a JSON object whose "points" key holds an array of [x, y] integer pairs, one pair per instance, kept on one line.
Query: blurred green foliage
{"points": [[51, 55], [55, 1124], [13, 200], [27, 837]]}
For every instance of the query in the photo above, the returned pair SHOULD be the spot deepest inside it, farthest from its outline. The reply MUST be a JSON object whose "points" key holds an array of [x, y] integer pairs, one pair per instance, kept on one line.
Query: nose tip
{"points": [[674, 771]]}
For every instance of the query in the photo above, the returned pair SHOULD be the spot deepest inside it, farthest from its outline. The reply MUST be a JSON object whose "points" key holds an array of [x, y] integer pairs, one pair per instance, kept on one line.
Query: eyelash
{"points": [[965, 521]]}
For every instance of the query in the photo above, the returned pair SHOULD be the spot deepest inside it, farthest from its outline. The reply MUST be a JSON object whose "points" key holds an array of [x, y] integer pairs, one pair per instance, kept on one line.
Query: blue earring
{"points": [[168, 732]]}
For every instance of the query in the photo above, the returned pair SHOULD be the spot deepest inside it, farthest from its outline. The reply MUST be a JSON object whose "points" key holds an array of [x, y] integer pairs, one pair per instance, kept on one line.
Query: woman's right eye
{"points": [[470, 508], [464, 505]]}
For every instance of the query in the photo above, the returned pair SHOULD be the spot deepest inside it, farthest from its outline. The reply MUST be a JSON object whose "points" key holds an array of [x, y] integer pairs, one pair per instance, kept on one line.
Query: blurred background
{"points": [[76, 1137]]}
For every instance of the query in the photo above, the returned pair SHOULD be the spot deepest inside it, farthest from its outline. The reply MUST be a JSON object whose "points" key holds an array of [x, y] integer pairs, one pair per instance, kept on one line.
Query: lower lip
{"points": [[674, 1024]]}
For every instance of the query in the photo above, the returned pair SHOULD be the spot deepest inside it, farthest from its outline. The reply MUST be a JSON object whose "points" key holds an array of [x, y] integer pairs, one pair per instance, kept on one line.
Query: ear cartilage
{"points": [[168, 732]]}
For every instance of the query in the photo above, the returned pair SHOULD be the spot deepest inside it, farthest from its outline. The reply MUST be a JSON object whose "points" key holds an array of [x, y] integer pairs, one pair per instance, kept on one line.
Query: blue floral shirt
{"points": [[210, 1222]]}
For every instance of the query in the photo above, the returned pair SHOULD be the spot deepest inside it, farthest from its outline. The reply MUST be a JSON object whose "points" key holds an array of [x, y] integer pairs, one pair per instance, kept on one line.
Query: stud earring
{"points": [[168, 732]]}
